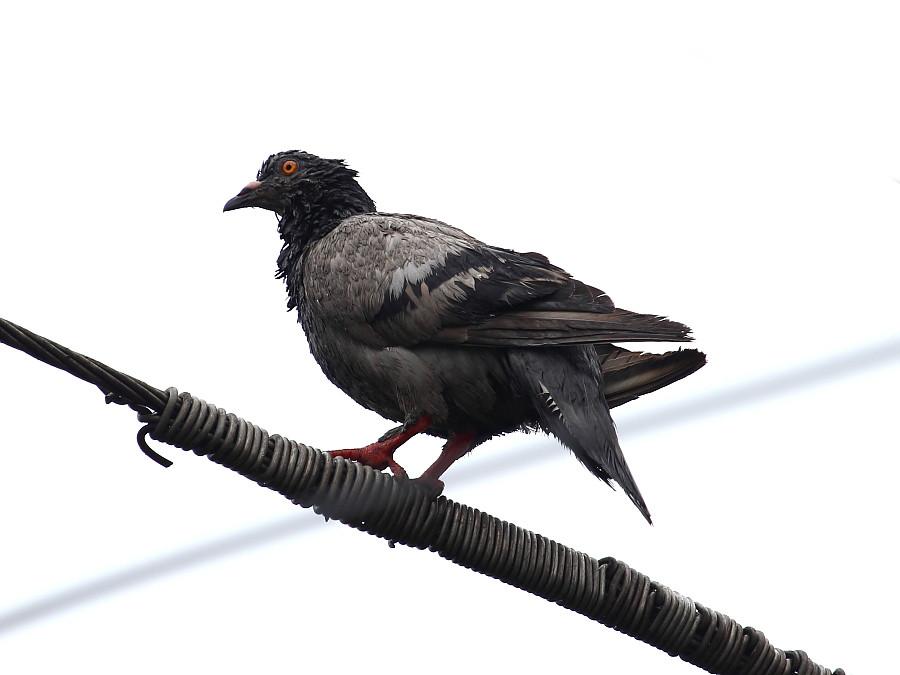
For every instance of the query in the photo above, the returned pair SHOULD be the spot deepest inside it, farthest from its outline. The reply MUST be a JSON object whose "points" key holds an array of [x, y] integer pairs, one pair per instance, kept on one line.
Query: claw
{"points": [[433, 486]]}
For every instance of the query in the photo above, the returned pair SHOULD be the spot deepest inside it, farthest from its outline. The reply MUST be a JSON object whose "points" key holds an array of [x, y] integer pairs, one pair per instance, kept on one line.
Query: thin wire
{"points": [[714, 403], [154, 569]]}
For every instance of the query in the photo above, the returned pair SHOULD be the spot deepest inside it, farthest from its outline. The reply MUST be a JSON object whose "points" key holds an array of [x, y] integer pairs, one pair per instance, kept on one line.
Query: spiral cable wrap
{"points": [[607, 590]]}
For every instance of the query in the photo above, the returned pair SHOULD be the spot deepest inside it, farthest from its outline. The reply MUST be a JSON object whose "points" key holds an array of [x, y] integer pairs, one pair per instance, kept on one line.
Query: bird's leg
{"points": [[458, 445], [380, 455]]}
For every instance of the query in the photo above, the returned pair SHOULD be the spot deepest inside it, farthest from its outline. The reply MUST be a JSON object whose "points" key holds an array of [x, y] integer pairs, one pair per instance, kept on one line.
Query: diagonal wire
{"points": [[154, 569], [706, 405]]}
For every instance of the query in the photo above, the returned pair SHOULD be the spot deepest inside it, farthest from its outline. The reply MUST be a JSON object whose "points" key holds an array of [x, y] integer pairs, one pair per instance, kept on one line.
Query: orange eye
{"points": [[289, 167]]}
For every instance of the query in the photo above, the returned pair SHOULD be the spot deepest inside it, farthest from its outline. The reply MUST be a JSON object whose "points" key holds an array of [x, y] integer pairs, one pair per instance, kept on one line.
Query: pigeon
{"points": [[449, 336]]}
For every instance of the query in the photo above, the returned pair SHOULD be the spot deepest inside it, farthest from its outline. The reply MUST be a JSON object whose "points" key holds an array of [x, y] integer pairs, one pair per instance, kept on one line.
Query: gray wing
{"points": [[403, 280]]}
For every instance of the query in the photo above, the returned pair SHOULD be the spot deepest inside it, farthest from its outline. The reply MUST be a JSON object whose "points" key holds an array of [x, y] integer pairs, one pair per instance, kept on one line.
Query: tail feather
{"points": [[628, 375], [565, 386]]}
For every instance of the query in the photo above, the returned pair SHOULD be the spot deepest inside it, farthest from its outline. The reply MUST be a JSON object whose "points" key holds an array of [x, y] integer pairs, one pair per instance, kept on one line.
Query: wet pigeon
{"points": [[449, 336]]}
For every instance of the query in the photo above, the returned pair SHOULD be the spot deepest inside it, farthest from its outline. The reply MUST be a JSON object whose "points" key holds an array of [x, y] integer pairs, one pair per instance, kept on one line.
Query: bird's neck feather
{"points": [[305, 221]]}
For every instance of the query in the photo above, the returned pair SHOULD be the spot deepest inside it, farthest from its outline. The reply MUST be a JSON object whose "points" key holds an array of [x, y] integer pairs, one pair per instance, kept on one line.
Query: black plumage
{"points": [[435, 329]]}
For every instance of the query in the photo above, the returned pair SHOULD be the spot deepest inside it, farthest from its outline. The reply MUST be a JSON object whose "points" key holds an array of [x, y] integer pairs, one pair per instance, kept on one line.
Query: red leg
{"points": [[380, 455], [453, 449]]}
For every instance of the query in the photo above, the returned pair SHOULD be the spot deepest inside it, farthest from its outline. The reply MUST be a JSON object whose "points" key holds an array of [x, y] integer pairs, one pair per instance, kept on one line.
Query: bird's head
{"points": [[307, 192], [311, 196]]}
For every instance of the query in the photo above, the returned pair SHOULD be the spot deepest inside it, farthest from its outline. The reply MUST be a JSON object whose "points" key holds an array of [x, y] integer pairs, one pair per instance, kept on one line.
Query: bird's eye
{"points": [[289, 167]]}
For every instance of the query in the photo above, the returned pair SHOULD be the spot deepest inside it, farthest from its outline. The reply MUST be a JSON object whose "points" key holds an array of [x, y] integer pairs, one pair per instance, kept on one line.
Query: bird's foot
{"points": [[378, 455]]}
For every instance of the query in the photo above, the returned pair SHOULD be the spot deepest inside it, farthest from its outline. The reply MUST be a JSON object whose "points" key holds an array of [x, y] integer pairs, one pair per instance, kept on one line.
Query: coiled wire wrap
{"points": [[604, 590]]}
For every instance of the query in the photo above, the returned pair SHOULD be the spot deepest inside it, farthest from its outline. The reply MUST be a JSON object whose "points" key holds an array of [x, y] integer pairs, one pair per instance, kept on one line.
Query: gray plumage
{"points": [[421, 322]]}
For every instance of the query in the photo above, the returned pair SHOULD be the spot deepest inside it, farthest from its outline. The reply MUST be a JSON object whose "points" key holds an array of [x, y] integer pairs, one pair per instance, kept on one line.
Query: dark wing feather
{"points": [[481, 281], [562, 327]]}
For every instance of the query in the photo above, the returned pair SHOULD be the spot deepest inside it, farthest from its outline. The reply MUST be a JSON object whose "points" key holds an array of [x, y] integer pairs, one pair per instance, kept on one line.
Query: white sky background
{"points": [[733, 168]]}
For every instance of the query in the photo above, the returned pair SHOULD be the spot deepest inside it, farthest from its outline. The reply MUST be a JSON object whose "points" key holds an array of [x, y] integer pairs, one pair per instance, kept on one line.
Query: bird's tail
{"points": [[628, 375], [565, 386]]}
